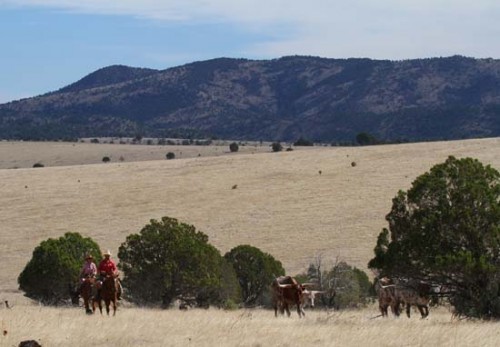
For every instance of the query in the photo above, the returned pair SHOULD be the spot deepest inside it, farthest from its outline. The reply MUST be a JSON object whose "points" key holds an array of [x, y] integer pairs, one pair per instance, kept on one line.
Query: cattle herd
{"points": [[396, 294]]}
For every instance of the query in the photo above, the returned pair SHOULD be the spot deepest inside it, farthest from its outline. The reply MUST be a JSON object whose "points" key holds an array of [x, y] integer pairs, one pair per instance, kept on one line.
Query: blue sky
{"points": [[48, 44]]}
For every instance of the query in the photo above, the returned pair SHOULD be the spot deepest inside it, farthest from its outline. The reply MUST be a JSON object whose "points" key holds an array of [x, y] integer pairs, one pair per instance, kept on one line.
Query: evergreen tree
{"points": [[446, 230], [56, 264]]}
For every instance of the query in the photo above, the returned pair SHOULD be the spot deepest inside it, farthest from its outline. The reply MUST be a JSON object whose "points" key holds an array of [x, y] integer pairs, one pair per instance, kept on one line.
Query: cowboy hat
{"points": [[108, 252]]}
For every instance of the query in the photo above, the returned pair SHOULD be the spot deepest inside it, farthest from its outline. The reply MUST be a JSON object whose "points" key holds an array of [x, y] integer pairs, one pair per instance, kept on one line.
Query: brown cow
{"points": [[386, 291], [287, 291], [414, 293], [400, 293]]}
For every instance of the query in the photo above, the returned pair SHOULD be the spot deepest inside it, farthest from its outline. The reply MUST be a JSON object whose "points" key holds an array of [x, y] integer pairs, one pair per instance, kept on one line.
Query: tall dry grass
{"points": [[147, 327]]}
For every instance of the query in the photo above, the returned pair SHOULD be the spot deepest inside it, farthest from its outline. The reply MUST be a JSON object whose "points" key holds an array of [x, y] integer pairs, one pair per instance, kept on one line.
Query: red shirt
{"points": [[107, 266]]}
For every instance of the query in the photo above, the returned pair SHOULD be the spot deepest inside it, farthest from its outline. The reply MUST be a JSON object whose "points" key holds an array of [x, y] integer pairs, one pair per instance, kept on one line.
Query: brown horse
{"points": [[107, 293], [86, 293]]}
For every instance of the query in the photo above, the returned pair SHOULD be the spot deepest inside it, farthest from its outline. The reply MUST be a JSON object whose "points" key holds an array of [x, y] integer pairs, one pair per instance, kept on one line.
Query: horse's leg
{"points": [[108, 302], [86, 304], [99, 303], [114, 306]]}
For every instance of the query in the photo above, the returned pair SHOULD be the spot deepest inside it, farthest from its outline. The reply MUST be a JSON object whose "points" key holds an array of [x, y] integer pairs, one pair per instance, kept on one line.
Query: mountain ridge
{"points": [[322, 99]]}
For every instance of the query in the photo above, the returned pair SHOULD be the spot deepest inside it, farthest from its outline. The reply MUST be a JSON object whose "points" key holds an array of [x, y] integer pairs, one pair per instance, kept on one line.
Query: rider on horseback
{"points": [[89, 270], [108, 268]]}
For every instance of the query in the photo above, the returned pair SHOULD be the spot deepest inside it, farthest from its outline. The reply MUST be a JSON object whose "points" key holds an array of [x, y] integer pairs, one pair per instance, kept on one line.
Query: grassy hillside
{"points": [[281, 205]]}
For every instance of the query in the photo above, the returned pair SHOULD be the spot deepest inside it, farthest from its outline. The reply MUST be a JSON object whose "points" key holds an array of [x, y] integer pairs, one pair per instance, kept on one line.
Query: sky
{"points": [[48, 44]]}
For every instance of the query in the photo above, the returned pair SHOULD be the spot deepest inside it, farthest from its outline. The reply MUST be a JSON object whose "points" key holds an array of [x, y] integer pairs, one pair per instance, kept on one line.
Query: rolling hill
{"points": [[281, 205]]}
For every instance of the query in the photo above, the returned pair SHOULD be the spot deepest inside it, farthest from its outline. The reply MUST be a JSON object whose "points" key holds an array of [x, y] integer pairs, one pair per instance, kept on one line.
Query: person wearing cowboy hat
{"points": [[88, 270], [107, 267]]}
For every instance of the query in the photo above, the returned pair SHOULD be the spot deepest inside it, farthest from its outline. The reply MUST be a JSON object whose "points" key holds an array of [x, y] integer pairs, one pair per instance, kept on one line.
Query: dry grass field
{"points": [[134, 327], [281, 205]]}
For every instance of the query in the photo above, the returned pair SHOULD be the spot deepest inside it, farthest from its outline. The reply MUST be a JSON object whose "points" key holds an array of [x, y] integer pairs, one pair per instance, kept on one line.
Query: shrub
{"points": [[106, 159], [303, 142], [170, 155], [38, 165], [445, 230], [276, 147], [54, 265], [233, 147], [94, 141], [344, 285], [255, 271], [168, 260]]}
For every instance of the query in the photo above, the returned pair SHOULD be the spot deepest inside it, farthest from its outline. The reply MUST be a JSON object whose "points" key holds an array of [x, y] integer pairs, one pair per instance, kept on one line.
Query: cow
{"points": [[399, 293], [386, 291], [310, 295], [414, 293], [287, 291]]}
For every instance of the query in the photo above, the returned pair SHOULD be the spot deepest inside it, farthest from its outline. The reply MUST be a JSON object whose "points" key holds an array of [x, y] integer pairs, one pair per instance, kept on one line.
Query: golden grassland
{"points": [[256, 327], [281, 204]]}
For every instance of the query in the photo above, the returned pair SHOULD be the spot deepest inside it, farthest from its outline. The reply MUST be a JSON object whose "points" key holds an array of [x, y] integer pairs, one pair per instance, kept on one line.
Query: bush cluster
{"points": [[54, 266]]}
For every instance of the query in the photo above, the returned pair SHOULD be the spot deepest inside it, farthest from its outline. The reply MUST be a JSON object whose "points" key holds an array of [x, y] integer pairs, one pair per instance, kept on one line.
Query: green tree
{"points": [[233, 147], [446, 230], [276, 147], [54, 265], [255, 271], [344, 285], [170, 259]]}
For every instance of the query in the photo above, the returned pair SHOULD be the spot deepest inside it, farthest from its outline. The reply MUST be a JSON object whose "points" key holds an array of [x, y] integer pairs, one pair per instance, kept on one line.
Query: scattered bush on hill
{"points": [[168, 260], [233, 147], [276, 147], [38, 165], [170, 155], [255, 271], [445, 230], [106, 159], [55, 265], [303, 142]]}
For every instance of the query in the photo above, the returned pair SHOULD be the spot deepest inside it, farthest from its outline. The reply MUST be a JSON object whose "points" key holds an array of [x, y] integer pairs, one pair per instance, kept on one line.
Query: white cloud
{"points": [[373, 28]]}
